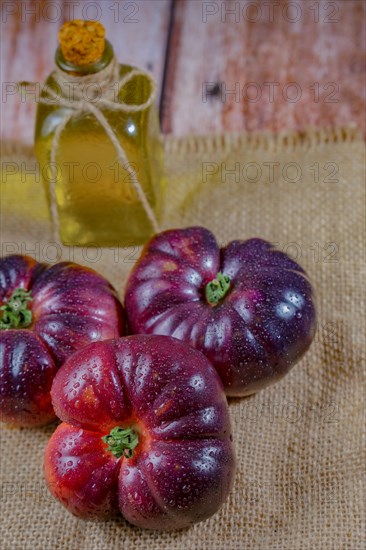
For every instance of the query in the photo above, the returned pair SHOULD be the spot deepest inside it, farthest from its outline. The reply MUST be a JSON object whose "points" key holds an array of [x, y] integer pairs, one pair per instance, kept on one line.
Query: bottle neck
{"points": [[84, 70]]}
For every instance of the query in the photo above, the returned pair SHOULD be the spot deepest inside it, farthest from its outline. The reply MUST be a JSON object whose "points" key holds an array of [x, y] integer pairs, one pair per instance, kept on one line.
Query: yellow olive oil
{"points": [[96, 199]]}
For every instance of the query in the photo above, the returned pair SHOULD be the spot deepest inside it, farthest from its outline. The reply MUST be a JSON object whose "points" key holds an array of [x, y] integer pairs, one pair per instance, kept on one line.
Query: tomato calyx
{"points": [[217, 289], [121, 441], [15, 312]]}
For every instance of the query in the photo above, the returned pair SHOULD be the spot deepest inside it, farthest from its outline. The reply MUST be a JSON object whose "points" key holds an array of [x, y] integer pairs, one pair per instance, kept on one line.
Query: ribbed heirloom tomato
{"points": [[47, 312], [248, 307], [146, 433]]}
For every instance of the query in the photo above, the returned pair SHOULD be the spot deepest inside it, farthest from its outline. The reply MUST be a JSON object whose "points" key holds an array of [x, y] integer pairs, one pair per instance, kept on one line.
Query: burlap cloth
{"points": [[299, 444]]}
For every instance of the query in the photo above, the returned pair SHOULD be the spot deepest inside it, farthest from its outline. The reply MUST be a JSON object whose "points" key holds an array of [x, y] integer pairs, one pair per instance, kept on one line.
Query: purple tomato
{"points": [[145, 434], [46, 313], [248, 307]]}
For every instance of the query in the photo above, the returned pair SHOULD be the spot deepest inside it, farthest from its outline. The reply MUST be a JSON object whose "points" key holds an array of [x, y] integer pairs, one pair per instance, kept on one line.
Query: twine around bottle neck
{"points": [[76, 95], [101, 84]]}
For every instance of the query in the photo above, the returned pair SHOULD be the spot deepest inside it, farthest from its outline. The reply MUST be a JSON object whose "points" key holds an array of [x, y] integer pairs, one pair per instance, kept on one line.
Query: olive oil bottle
{"points": [[96, 198]]}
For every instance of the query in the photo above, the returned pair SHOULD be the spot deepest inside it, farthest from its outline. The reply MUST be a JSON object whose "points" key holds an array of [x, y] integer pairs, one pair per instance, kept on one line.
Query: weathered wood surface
{"points": [[221, 65], [289, 64]]}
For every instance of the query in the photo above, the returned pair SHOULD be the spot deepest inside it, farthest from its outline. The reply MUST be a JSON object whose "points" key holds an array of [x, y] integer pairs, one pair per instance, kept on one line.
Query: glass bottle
{"points": [[97, 203]]}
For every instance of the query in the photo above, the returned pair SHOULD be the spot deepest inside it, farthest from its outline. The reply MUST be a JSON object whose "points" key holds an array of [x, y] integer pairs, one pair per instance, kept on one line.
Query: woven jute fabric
{"points": [[299, 444]]}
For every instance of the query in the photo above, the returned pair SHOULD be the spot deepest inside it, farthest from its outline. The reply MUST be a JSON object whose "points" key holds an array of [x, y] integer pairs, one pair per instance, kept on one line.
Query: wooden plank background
{"points": [[221, 65]]}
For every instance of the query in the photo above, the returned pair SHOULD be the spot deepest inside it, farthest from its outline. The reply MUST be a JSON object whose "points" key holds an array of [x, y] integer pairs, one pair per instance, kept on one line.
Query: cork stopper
{"points": [[82, 42]]}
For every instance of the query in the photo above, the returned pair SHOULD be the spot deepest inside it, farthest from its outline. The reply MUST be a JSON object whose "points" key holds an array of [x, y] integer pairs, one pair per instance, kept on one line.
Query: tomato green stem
{"points": [[217, 288], [15, 312], [121, 441]]}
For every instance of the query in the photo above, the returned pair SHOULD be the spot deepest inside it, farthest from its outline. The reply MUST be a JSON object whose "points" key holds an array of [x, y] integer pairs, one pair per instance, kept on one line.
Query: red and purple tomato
{"points": [[248, 307], [145, 434], [47, 313]]}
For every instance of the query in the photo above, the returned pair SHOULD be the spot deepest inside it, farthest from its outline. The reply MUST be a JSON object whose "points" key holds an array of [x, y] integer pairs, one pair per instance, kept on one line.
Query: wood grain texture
{"points": [[137, 30], [290, 64], [269, 52]]}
